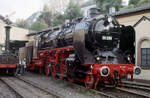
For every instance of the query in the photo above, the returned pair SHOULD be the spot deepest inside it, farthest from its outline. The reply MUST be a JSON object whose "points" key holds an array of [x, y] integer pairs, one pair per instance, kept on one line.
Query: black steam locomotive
{"points": [[98, 38], [8, 60], [89, 50]]}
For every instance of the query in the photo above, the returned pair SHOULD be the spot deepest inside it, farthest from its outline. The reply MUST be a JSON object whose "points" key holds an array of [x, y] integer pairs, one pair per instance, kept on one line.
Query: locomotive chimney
{"points": [[94, 12], [7, 30]]}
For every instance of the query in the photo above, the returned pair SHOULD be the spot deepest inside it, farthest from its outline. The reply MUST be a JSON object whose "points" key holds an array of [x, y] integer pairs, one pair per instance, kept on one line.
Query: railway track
{"points": [[109, 92], [102, 94], [54, 94], [11, 93], [137, 88], [115, 92], [136, 84], [27, 89], [129, 90], [83, 89], [121, 93]]}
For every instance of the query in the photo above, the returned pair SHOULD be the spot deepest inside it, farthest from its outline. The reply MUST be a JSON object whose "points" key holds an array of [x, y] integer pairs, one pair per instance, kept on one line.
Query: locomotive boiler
{"points": [[8, 60], [90, 50]]}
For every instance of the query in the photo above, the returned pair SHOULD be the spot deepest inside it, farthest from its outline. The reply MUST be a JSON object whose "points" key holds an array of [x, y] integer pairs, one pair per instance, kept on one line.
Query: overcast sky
{"points": [[23, 8]]}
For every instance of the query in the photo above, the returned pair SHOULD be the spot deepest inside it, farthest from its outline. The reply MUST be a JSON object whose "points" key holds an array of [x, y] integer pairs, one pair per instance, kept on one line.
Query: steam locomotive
{"points": [[8, 60], [94, 50]]}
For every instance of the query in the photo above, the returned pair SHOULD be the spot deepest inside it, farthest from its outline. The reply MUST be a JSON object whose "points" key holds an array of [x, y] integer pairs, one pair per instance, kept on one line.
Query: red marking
{"points": [[8, 65], [53, 62]]}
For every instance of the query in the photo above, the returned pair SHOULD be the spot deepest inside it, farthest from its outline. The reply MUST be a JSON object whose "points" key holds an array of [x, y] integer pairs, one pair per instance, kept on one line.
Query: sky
{"points": [[22, 8], [126, 2]]}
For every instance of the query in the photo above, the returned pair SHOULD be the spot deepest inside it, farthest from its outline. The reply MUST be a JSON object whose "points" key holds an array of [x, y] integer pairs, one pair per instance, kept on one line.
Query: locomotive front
{"points": [[107, 48]]}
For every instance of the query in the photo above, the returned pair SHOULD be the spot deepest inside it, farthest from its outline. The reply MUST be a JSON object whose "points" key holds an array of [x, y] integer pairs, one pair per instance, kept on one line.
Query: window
{"points": [[145, 57]]}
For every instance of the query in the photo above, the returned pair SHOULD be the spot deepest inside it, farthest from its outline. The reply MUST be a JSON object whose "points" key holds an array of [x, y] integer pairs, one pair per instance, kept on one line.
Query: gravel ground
{"points": [[6, 92], [62, 87]]}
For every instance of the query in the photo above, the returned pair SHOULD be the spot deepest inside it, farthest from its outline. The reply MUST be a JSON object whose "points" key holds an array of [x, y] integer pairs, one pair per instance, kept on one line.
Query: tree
{"points": [[39, 25], [143, 2], [73, 11], [46, 15], [22, 23], [137, 3], [58, 19], [133, 3], [104, 5]]}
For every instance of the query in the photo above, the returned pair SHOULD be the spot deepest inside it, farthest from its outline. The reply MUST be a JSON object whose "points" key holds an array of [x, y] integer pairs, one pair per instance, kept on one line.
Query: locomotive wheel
{"points": [[89, 82], [53, 71], [12, 72], [47, 70]]}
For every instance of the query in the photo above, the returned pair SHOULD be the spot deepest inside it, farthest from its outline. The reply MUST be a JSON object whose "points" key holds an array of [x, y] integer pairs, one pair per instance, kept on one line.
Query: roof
{"points": [[88, 4], [7, 21], [132, 10], [143, 18]]}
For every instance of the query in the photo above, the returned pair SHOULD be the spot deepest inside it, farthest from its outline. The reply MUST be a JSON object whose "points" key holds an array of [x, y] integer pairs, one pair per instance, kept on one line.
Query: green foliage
{"points": [[47, 19], [58, 19], [44, 20], [39, 25], [133, 2], [137, 3], [104, 5], [22, 23], [73, 11], [46, 15], [143, 2]]}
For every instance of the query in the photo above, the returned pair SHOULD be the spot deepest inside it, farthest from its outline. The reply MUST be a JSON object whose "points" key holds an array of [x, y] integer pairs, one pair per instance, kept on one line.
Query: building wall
{"points": [[142, 36], [132, 18], [16, 33], [142, 41], [2, 32], [30, 38]]}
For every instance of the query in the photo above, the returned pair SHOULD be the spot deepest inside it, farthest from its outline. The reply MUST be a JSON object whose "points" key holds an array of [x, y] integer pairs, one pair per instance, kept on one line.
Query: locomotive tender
{"points": [[89, 50]]}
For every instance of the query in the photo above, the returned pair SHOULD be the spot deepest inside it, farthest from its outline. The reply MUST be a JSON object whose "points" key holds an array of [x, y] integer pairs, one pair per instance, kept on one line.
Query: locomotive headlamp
{"points": [[104, 71], [98, 58], [109, 19], [137, 70], [128, 58]]}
